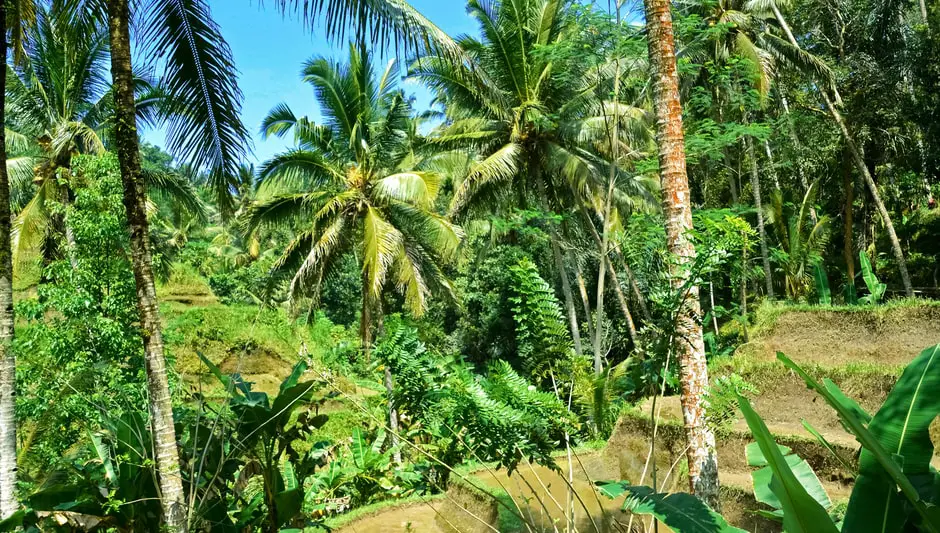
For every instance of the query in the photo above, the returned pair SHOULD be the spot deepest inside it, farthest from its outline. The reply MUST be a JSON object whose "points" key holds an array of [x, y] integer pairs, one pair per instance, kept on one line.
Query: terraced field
{"points": [[862, 351]]}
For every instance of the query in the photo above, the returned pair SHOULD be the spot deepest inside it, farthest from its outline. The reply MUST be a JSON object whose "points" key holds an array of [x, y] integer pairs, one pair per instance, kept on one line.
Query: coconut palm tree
{"points": [[539, 127], [205, 131], [677, 208], [357, 186], [16, 16]]}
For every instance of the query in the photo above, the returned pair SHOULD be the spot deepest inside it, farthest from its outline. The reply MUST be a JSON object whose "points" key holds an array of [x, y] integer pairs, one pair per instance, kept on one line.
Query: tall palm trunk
{"points": [[372, 311], [848, 249], [569, 297], [761, 229], [8, 503], [859, 161], [127, 146], [677, 208]]}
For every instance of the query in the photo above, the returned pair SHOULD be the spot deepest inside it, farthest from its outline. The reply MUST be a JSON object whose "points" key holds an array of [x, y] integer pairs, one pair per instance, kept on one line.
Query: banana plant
{"points": [[681, 512], [822, 284], [895, 487], [876, 289], [267, 431]]}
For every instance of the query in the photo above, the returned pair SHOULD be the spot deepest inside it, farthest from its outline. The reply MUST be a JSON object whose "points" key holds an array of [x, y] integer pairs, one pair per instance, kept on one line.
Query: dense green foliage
{"points": [[405, 292]]}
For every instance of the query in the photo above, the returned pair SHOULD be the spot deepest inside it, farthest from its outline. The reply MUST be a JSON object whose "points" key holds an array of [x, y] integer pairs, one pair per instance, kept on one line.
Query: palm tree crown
{"points": [[357, 184]]}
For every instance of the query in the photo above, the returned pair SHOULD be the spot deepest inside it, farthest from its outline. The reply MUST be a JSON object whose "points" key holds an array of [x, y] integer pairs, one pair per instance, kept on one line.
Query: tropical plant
{"points": [[61, 105], [271, 437], [460, 415], [802, 240], [358, 187], [894, 486], [876, 289], [542, 339]]}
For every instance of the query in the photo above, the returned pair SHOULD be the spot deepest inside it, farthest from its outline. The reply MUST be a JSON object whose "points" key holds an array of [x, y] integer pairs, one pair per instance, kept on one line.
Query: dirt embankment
{"points": [[891, 336]]}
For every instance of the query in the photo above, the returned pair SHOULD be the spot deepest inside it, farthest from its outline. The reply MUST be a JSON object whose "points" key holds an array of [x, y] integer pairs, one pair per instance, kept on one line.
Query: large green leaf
{"points": [[294, 376], [872, 448], [849, 467], [902, 428], [876, 289], [763, 477], [822, 284], [802, 513], [681, 512]]}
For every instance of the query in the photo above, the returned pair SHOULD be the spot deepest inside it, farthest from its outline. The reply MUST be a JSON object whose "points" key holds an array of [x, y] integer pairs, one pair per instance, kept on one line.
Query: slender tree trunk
{"points": [[848, 249], [69, 234], [859, 161], [569, 297], [744, 261], [613, 131], [770, 165], [128, 150], [389, 391], [711, 297], [365, 322], [608, 267], [585, 300], [677, 209], [8, 504], [761, 230]]}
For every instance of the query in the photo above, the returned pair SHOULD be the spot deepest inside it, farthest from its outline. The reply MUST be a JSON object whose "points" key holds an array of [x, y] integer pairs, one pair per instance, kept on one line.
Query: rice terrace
{"points": [[470, 266]]}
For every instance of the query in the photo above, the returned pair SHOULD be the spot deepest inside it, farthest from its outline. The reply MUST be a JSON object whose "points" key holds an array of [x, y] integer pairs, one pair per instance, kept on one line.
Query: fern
{"points": [[721, 399], [541, 333]]}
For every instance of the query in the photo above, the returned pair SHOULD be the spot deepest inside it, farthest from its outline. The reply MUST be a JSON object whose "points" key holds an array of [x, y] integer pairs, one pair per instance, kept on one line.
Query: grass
{"points": [[365, 511], [222, 331], [767, 314]]}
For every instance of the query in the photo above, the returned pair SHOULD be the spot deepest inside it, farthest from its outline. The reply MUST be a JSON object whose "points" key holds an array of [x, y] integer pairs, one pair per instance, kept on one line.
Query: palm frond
{"points": [[415, 188], [380, 242], [178, 189], [500, 166], [204, 123], [299, 168]]}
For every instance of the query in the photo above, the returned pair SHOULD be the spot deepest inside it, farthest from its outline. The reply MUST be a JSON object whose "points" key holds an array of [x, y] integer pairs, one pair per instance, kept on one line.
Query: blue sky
{"points": [[269, 51]]}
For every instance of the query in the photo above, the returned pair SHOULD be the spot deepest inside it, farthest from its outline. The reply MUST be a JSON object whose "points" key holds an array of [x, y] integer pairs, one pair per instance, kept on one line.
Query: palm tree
{"points": [[205, 130], [357, 182], [15, 17], [677, 208], [358, 187], [539, 127], [802, 240]]}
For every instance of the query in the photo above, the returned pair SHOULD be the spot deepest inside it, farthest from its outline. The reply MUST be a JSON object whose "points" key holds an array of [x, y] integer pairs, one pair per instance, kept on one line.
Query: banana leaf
{"points": [[822, 284], [847, 464], [877, 488], [802, 513], [902, 428], [681, 512], [763, 477], [876, 289]]}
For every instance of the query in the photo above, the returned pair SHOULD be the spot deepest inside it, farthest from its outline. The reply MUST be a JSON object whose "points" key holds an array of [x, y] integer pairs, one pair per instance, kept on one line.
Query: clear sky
{"points": [[269, 51]]}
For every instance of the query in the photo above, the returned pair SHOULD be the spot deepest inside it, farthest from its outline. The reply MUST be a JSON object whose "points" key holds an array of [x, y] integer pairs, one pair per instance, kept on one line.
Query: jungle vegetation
{"points": [[593, 208]]}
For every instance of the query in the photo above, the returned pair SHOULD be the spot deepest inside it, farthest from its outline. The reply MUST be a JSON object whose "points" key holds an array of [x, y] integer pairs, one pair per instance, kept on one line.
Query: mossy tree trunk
{"points": [[677, 210], [8, 503], [127, 146]]}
